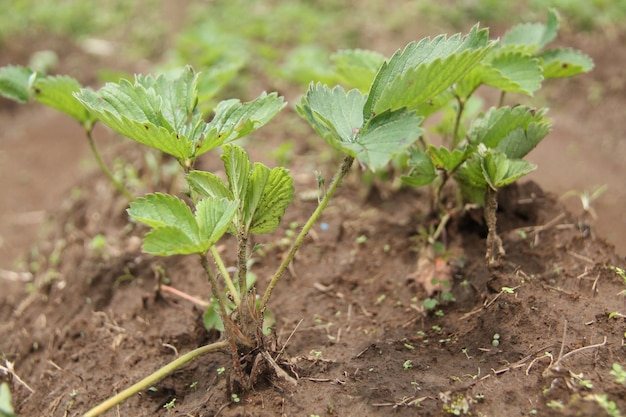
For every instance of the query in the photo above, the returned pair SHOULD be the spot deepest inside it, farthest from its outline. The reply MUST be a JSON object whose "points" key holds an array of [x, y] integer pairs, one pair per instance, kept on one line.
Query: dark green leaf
{"points": [[406, 69], [383, 137], [422, 169], [500, 171], [160, 210], [264, 210], [214, 216], [444, 159]]}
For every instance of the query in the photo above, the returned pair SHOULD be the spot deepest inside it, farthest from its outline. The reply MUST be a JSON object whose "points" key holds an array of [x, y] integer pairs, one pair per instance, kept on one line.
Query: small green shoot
{"points": [[408, 364], [6, 408], [619, 373]]}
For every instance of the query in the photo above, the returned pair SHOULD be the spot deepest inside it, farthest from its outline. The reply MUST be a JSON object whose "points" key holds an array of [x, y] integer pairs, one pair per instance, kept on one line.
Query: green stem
{"points": [[242, 261], [457, 121], [343, 171], [153, 378], [222, 268], [118, 185]]}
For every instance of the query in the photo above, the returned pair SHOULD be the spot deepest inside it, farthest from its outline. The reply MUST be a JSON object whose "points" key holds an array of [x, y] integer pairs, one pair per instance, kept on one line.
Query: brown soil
{"points": [[89, 323]]}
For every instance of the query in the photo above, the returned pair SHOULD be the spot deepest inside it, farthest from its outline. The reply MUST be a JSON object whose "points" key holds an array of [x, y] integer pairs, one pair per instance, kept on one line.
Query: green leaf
{"points": [[444, 159], [422, 169], [383, 137], [357, 68], [425, 69], [15, 83], [176, 231], [515, 131], [269, 194], [234, 120], [514, 72], [207, 184], [533, 36], [160, 210], [170, 240], [57, 92], [564, 62], [500, 171], [335, 115], [213, 217], [237, 165], [138, 112], [6, 408], [471, 180]]}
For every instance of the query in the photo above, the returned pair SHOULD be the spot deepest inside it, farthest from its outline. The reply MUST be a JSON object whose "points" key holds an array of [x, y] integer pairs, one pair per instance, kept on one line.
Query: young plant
{"points": [[22, 84], [485, 153]]}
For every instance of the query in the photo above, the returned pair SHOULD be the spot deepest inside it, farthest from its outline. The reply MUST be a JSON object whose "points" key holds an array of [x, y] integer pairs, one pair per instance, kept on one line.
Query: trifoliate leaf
{"points": [[357, 68], [15, 83], [234, 120], [207, 184], [497, 124], [269, 194], [57, 92], [564, 62], [135, 111], [335, 115], [383, 137], [442, 158], [422, 169], [423, 70], [500, 171], [533, 36], [160, 210]]}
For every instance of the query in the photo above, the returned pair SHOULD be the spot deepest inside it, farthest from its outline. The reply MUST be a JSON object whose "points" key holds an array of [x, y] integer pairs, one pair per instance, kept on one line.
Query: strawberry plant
{"points": [[481, 152]]}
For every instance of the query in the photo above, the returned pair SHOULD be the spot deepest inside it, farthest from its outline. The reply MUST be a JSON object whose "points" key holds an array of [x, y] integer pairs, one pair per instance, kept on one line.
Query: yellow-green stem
{"points": [[150, 380], [118, 185], [343, 171]]}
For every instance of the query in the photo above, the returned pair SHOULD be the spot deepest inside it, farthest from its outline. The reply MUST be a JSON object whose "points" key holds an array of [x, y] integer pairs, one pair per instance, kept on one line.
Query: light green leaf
{"points": [[533, 36], [161, 210], [234, 120], [15, 83], [140, 113], [335, 115], [422, 169], [213, 217], [497, 124], [383, 137], [6, 408], [357, 68], [423, 70], [57, 92], [207, 184], [269, 194], [514, 72], [170, 240], [500, 171], [237, 165], [564, 62], [444, 159]]}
